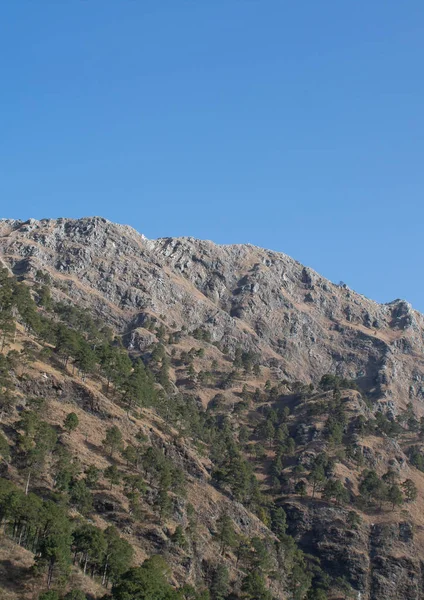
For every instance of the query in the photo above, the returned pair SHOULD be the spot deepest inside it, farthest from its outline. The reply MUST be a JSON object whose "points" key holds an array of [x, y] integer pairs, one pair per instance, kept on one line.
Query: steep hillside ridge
{"points": [[252, 423], [305, 325]]}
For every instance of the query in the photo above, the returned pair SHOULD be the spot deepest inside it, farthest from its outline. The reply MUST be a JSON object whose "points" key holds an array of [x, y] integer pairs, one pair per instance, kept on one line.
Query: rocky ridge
{"points": [[266, 301]]}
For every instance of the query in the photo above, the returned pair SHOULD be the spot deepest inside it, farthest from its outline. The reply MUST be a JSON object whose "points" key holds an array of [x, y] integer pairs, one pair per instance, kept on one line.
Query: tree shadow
{"points": [[99, 450], [13, 577]]}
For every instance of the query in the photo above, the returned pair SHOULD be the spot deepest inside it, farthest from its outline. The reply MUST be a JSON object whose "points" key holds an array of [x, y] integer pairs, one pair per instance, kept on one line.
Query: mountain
{"points": [[267, 386], [265, 301]]}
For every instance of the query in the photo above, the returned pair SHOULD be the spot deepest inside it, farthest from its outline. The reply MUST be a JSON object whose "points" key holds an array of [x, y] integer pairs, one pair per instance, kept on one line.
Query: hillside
{"points": [[257, 426]]}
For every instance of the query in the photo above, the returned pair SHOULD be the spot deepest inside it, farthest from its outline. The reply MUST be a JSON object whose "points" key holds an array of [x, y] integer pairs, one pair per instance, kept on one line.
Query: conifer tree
{"points": [[225, 532], [71, 422], [113, 440]]}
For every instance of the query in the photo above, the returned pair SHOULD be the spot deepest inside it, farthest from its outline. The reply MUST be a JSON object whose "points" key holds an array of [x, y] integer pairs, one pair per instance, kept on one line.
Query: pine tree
{"points": [[178, 538], [71, 422], [254, 588], [80, 496], [148, 582], [225, 532], [334, 489], [113, 475], [163, 502], [117, 556], [353, 519], [316, 477], [85, 359], [66, 343], [89, 546], [54, 547], [410, 490], [394, 495], [300, 488], [220, 583], [92, 475], [113, 440], [371, 487], [278, 522]]}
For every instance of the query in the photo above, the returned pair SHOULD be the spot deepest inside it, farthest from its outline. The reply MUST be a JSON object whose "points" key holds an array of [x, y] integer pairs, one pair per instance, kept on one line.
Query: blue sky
{"points": [[298, 126]]}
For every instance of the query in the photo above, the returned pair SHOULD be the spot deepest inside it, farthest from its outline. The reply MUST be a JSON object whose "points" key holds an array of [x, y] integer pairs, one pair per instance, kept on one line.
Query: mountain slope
{"points": [[270, 387], [305, 325]]}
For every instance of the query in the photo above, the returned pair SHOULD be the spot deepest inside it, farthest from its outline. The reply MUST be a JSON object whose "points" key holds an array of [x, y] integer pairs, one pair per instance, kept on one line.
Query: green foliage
{"points": [[54, 554], [336, 423], [115, 363], [50, 595], [410, 490], [225, 532], [4, 448], [138, 388], [260, 558], [76, 336], [75, 595], [66, 342], [202, 334], [278, 522], [353, 519], [148, 582], [300, 488], [254, 587], [178, 538], [317, 594], [44, 297], [394, 495], [71, 422], [134, 484], [160, 471], [220, 584], [45, 528], [372, 488], [416, 458], [80, 496], [92, 475], [232, 470], [386, 425], [330, 381], [334, 490], [89, 547], [163, 503], [317, 477], [16, 303], [82, 322], [118, 556], [7, 399], [113, 440], [64, 469], [35, 442], [85, 358], [246, 359], [300, 577], [113, 475]]}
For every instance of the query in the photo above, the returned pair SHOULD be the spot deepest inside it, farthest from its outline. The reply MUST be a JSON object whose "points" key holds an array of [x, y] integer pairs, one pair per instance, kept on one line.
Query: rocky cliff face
{"points": [[266, 301], [382, 560]]}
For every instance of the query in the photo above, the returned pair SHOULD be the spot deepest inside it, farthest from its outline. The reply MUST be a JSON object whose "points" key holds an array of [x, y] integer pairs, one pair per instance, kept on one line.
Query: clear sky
{"points": [[294, 125]]}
